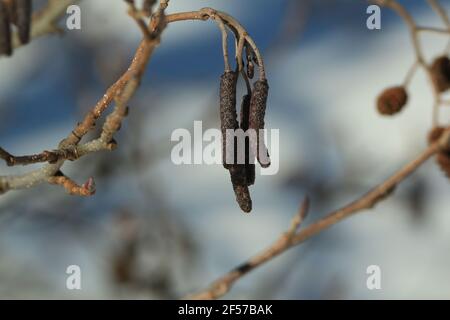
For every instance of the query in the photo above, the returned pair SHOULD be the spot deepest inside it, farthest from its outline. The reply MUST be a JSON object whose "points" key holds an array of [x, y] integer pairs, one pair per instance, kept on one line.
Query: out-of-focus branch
{"points": [[120, 92], [295, 237]]}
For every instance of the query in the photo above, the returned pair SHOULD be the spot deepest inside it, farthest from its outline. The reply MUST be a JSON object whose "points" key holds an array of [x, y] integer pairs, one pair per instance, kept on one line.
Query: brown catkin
{"points": [[239, 181], [244, 125], [12, 11], [392, 100], [440, 73], [443, 157], [5, 30], [250, 69], [228, 115], [23, 14], [256, 118]]}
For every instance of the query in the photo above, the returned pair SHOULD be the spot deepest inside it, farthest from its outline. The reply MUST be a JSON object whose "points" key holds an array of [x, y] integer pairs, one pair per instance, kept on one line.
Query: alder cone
{"points": [[440, 73], [435, 134], [23, 19], [443, 157], [5, 30], [392, 100]]}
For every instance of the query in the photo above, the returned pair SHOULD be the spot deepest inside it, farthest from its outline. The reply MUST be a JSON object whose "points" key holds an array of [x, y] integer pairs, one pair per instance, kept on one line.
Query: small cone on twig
{"points": [[443, 157], [440, 73], [392, 100]]}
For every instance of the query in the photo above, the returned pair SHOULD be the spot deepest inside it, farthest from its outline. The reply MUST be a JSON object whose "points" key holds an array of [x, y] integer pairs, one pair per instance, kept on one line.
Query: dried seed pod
{"points": [[5, 30], [440, 73], [443, 157], [244, 125], [256, 120], [228, 115], [23, 14], [239, 181], [392, 100]]}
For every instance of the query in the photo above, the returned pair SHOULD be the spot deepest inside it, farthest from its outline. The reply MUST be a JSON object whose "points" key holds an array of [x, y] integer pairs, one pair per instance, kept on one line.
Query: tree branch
{"points": [[292, 237]]}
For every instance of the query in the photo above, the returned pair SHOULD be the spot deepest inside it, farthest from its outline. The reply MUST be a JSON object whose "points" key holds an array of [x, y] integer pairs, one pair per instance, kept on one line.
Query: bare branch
{"points": [[292, 238]]}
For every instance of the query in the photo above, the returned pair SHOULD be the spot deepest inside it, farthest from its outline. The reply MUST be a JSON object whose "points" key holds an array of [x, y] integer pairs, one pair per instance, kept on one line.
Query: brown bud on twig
{"points": [[23, 14], [228, 115], [239, 181], [392, 100], [256, 120], [5, 30], [443, 157], [440, 73], [244, 125], [111, 145]]}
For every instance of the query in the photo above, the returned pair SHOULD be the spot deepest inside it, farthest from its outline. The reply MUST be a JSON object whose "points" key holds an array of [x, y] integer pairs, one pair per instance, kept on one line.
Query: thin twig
{"points": [[293, 237]]}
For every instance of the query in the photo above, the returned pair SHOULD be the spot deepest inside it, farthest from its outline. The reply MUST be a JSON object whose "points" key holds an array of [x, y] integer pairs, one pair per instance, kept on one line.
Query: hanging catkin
{"points": [[228, 120], [5, 30], [256, 120], [239, 181], [228, 115], [244, 125], [23, 15]]}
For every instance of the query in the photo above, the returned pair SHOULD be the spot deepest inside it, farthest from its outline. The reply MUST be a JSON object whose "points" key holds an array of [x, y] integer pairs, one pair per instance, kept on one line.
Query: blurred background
{"points": [[155, 230]]}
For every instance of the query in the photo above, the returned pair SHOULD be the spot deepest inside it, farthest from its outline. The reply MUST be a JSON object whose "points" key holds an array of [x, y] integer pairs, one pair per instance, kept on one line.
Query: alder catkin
{"points": [[250, 70], [228, 115], [244, 125], [5, 30], [440, 73], [443, 157], [392, 100], [23, 14], [239, 181], [256, 119]]}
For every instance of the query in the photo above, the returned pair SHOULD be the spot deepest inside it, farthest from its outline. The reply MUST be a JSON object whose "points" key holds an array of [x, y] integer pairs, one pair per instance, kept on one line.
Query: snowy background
{"points": [[181, 222]]}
